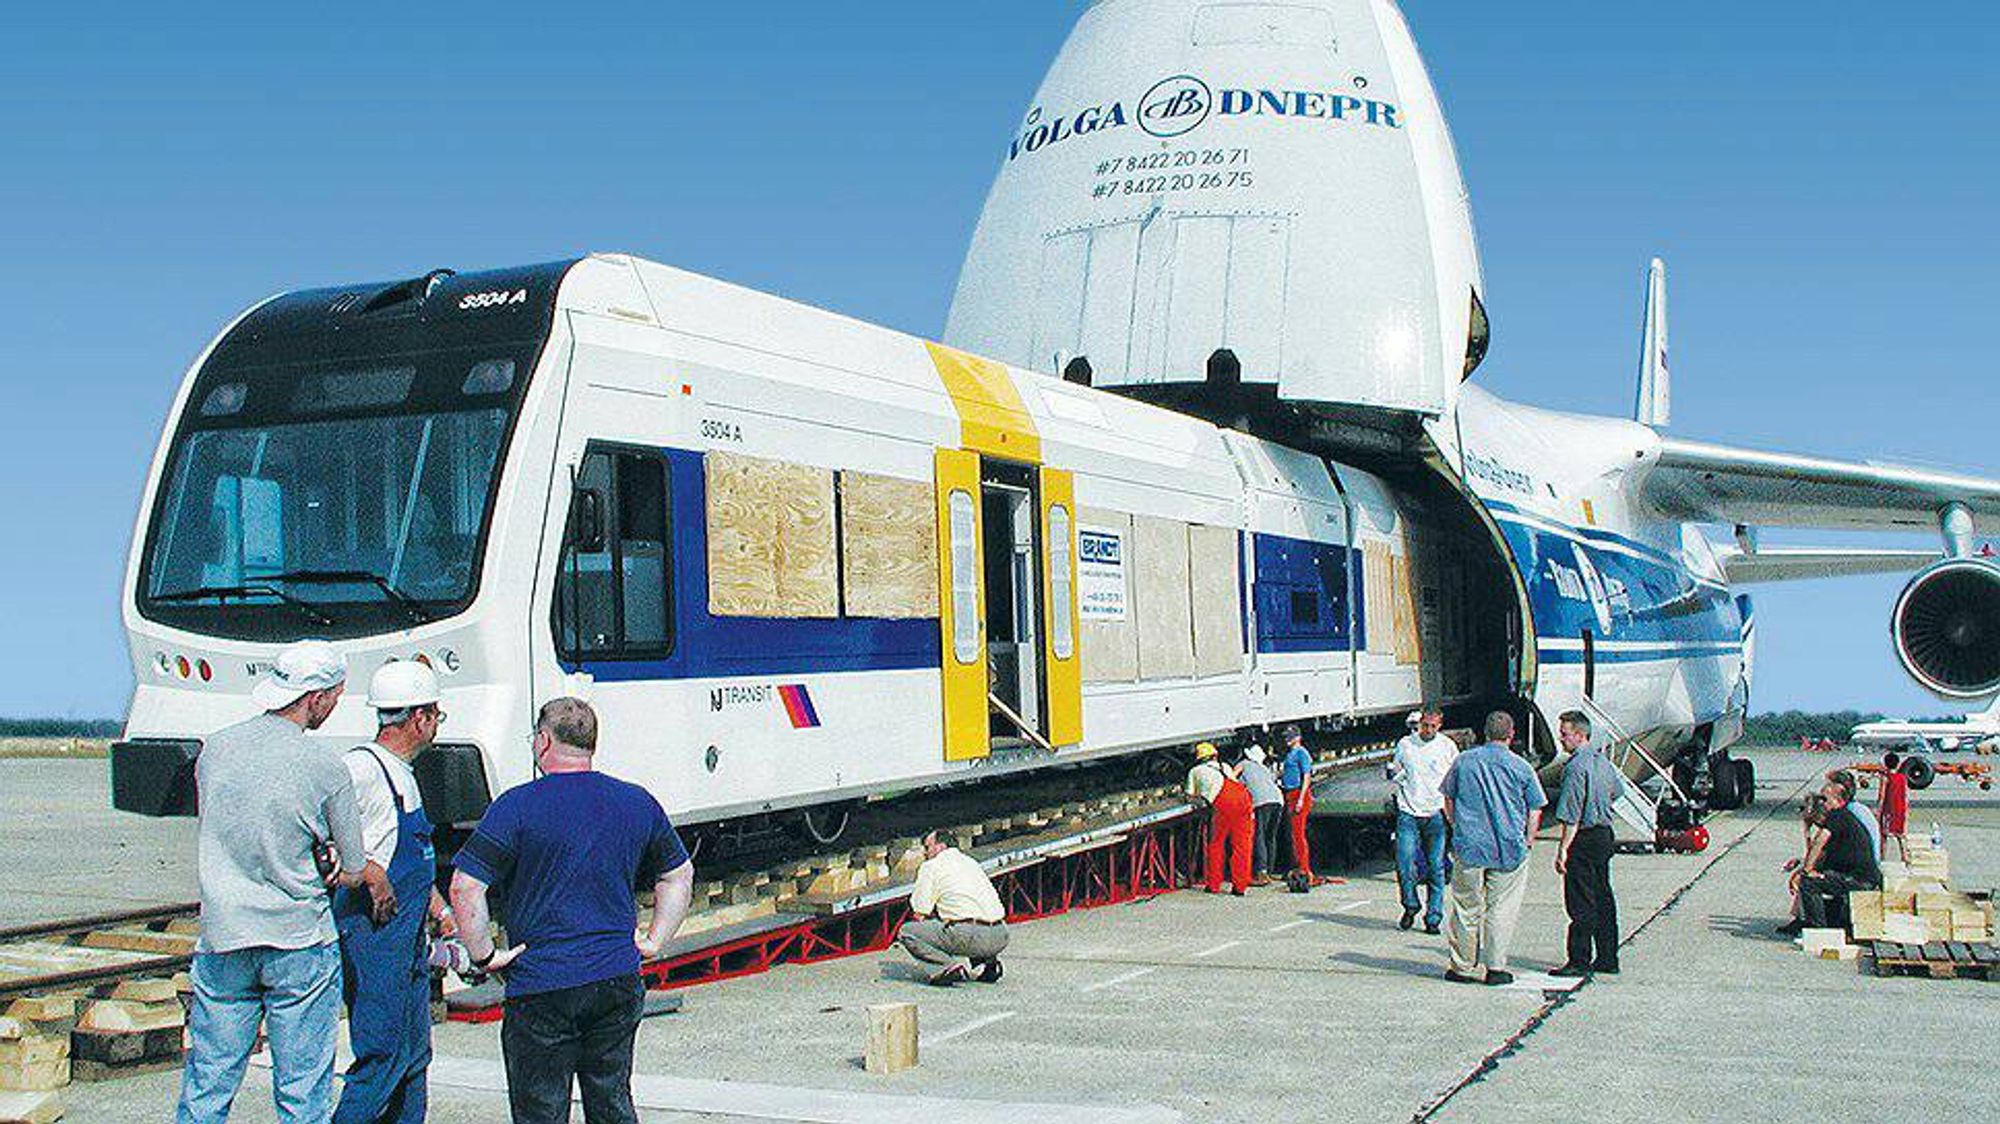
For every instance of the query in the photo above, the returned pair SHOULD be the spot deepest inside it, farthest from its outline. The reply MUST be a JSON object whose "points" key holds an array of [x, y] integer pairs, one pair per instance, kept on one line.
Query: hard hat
{"points": [[401, 684], [307, 666], [1205, 751]]}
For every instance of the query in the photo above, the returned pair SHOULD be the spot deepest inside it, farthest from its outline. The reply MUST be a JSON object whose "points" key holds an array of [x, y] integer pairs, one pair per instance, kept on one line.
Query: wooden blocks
{"points": [[31, 1062], [892, 1038], [138, 1030], [143, 940]]}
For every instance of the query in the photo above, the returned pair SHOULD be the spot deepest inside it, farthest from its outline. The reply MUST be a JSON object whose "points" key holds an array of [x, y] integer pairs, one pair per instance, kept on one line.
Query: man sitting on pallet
{"points": [[1842, 861], [956, 915]]}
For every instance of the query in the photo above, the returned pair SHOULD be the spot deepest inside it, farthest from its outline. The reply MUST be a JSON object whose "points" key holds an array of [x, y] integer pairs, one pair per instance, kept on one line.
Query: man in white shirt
{"points": [[383, 943], [1421, 760], [956, 915]]}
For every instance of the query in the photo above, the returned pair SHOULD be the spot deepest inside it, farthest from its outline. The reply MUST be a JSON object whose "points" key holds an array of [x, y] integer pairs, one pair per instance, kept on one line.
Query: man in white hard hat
{"points": [[271, 799], [382, 931]]}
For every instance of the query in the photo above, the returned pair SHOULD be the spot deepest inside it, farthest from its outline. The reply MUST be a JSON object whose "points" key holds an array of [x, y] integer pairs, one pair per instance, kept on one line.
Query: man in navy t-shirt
{"points": [[564, 854]]}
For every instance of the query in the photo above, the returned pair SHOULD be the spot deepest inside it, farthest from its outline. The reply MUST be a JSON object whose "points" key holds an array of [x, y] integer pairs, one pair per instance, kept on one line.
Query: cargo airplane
{"points": [[1199, 455]]}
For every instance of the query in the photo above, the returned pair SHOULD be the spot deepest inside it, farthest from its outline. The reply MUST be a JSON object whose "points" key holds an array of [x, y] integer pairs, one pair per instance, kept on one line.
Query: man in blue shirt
{"points": [[1494, 803], [565, 853], [1295, 774]]}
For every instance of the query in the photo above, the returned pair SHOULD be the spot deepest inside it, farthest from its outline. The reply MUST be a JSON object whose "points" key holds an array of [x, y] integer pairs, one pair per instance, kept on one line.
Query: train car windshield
{"points": [[335, 501]]}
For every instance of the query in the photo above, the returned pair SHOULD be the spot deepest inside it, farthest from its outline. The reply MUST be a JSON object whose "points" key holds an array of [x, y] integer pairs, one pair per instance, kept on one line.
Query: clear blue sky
{"points": [[1819, 176]]}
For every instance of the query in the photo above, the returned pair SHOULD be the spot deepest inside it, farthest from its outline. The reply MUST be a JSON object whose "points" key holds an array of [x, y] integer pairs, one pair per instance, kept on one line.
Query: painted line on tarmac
{"points": [[1225, 946], [745, 1100], [1553, 1003], [1291, 925], [980, 1023], [1114, 981]]}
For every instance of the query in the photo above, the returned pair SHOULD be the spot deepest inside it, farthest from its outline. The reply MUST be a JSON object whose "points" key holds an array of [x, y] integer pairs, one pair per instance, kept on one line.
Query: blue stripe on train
{"points": [[1304, 592], [712, 647]]}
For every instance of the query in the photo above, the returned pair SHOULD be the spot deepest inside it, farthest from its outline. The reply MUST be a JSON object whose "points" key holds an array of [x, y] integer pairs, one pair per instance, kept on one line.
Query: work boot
{"points": [[1791, 928], [1431, 927], [1409, 919], [956, 974], [1261, 880], [1497, 978], [990, 971], [1456, 976], [1610, 969], [1570, 972]]}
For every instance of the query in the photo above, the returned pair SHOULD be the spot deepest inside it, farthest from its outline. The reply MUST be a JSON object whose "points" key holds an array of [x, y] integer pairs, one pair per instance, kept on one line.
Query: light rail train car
{"points": [[793, 560]]}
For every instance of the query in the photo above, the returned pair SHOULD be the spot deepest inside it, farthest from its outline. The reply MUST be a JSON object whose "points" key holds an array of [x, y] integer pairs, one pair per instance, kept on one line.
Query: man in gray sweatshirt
{"points": [[271, 799]]}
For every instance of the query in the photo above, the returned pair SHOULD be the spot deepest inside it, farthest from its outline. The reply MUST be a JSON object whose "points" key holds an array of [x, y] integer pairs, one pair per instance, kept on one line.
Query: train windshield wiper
{"points": [[221, 593], [390, 593]]}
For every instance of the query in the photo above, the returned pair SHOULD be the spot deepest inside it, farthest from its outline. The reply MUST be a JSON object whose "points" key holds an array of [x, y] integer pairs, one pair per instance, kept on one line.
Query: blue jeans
{"points": [[1427, 832], [296, 993]]}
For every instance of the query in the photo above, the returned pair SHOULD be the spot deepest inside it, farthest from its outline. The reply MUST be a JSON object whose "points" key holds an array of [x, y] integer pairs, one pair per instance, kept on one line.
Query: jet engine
{"points": [[1947, 628]]}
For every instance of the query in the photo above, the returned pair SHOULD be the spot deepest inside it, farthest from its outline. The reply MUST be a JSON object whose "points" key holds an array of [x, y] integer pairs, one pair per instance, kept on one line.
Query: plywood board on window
{"points": [[1377, 587], [1160, 598], [770, 539], [1110, 640], [888, 531], [1409, 636], [1213, 559]]}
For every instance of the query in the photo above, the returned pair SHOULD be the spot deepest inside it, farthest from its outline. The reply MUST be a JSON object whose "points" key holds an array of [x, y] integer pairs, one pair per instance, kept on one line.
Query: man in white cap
{"points": [[382, 936], [270, 800]]}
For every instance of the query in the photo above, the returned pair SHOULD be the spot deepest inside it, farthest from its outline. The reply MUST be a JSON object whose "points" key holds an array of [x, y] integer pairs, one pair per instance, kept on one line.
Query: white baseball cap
{"points": [[309, 665], [1254, 752]]}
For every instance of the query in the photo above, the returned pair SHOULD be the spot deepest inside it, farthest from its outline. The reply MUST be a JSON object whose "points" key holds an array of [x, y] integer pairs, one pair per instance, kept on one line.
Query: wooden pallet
{"points": [[1941, 960]]}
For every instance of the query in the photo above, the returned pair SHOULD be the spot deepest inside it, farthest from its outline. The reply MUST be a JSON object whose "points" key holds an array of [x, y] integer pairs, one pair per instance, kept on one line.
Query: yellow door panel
{"points": [[1060, 637], [990, 412], [961, 607]]}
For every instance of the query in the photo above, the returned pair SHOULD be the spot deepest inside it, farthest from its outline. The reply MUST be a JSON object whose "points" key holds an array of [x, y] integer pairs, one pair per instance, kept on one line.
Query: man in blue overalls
{"points": [[383, 944]]}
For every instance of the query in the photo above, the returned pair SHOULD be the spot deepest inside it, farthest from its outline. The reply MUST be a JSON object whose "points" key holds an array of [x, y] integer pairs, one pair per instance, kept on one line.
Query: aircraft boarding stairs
{"points": [[1636, 807]]}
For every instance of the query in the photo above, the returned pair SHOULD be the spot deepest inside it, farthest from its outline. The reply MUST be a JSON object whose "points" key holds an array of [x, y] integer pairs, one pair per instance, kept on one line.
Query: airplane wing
{"points": [[1788, 563], [1700, 482]]}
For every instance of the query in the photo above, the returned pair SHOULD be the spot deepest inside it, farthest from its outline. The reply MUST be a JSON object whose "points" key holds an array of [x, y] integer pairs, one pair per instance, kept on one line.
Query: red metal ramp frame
{"points": [[1139, 859]]}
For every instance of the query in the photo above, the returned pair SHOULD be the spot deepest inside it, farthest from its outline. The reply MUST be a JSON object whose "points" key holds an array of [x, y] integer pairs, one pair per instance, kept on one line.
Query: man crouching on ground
{"points": [[956, 913], [567, 851]]}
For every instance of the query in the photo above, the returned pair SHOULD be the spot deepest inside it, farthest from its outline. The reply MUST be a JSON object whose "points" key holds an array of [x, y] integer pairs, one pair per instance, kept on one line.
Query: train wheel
{"points": [[827, 823], [1920, 771]]}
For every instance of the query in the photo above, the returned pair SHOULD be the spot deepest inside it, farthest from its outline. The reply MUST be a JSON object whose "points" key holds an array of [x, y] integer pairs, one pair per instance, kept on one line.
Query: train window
{"points": [[1062, 636], [1305, 609], [964, 530], [614, 584]]}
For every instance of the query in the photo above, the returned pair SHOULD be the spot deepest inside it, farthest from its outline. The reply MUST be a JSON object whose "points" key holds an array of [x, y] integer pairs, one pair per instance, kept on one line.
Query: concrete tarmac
{"points": [[1286, 1007]]}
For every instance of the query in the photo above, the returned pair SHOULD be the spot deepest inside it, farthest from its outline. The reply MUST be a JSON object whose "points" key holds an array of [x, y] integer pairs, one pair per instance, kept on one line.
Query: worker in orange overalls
{"points": [[1232, 819]]}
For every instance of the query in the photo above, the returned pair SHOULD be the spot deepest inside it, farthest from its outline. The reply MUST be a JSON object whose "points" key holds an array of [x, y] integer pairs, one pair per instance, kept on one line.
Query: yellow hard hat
{"points": [[1204, 751]]}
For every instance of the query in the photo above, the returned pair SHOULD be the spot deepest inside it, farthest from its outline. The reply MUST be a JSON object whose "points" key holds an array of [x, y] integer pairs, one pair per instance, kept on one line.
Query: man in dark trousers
{"points": [[1843, 862], [1591, 786], [566, 852]]}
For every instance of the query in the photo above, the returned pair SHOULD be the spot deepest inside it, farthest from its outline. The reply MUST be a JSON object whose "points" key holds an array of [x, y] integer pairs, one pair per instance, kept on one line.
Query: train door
{"points": [[1011, 673], [1011, 562]]}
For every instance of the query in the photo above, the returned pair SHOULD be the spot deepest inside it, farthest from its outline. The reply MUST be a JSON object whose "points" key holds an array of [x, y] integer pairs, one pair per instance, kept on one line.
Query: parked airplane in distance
{"points": [[1973, 731]]}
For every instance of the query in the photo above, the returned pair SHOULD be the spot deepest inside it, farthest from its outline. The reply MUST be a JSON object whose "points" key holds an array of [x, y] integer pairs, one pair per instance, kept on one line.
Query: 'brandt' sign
{"points": [[1177, 106]]}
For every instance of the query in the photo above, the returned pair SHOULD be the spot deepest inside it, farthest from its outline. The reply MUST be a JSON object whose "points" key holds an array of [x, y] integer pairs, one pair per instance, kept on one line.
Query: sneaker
{"points": [[1791, 928], [990, 972], [1456, 976], [1431, 927], [1497, 978], [1570, 972], [1409, 919], [956, 974]]}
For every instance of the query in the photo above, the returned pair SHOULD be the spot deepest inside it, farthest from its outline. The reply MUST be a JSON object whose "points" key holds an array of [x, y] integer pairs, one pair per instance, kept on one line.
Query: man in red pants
{"points": [[1295, 781], [1232, 819]]}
